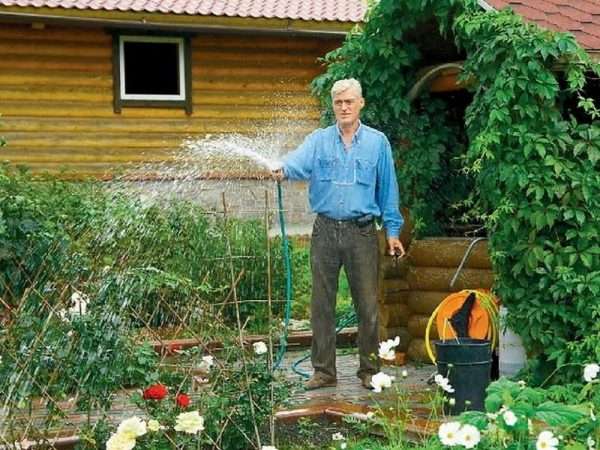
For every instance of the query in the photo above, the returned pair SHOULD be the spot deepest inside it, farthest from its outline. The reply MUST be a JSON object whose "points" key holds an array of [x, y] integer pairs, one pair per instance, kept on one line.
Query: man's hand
{"points": [[395, 247], [277, 175]]}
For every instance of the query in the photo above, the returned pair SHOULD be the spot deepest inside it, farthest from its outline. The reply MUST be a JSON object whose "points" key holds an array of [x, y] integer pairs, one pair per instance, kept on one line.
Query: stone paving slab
{"points": [[349, 389]]}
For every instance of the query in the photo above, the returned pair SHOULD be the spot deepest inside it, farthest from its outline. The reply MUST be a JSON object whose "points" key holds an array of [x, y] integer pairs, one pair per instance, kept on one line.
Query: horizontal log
{"points": [[69, 156], [449, 252], [55, 33], [438, 279], [394, 297], [293, 130], [59, 63], [255, 56], [104, 110], [254, 42], [425, 302], [281, 73], [393, 291], [417, 324], [95, 140], [201, 82], [392, 268], [394, 315], [104, 95], [417, 351], [56, 78], [386, 333], [44, 48]]}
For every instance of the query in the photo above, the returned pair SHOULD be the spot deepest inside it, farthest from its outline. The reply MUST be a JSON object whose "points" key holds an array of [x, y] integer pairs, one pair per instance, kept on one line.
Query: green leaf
{"points": [[555, 414]]}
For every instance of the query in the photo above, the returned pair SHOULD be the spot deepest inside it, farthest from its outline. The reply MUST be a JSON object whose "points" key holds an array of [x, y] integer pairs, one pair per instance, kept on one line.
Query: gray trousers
{"points": [[333, 245]]}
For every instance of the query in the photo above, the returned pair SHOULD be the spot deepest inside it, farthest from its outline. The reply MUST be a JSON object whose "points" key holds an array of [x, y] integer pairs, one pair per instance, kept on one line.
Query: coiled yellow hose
{"points": [[485, 300]]}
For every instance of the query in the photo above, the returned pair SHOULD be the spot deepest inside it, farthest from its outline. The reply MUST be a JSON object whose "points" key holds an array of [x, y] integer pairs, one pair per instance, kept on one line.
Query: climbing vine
{"points": [[519, 161]]}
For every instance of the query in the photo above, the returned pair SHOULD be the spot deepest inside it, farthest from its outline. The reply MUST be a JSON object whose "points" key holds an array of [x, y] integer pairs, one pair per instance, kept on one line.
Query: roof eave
{"points": [[177, 22]]}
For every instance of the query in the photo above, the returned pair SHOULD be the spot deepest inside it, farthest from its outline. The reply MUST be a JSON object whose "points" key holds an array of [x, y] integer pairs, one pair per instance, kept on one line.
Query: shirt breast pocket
{"points": [[365, 172], [324, 169]]}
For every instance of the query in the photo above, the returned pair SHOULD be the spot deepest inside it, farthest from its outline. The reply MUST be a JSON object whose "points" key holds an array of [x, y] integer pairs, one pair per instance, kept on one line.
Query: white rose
{"points": [[120, 442], [189, 422], [132, 428], [260, 347], [153, 425]]}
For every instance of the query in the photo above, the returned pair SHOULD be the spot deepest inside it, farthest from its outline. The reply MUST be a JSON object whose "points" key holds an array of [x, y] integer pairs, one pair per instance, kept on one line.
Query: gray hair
{"points": [[344, 85]]}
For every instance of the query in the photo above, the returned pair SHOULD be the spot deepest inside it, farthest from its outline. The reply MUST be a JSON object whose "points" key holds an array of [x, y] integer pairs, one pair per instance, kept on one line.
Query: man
{"points": [[351, 183]]}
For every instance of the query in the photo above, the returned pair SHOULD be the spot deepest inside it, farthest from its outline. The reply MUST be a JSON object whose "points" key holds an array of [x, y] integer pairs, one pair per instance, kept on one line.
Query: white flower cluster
{"points": [[339, 437], [127, 433], [131, 429], [590, 372], [387, 349], [78, 306], [453, 433], [380, 381], [206, 363], [443, 382]]}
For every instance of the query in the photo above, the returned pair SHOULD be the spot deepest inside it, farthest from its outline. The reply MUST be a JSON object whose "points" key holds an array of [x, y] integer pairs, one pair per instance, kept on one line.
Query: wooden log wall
{"points": [[433, 263], [393, 290], [56, 97]]}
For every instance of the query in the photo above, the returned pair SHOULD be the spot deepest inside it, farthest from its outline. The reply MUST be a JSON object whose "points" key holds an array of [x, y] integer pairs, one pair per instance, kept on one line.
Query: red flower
{"points": [[172, 348], [155, 392], [183, 400]]}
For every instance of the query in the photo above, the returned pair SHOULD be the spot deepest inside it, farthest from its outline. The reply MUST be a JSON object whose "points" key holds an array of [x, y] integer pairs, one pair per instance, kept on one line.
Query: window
{"points": [[152, 71]]}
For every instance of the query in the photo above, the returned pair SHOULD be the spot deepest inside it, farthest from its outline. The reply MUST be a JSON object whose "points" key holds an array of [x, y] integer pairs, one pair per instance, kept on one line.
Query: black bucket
{"points": [[467, 364]]}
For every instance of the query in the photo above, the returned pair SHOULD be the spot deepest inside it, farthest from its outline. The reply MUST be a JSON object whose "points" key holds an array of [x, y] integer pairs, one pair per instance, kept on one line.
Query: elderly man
{"points": [[352, 183]]}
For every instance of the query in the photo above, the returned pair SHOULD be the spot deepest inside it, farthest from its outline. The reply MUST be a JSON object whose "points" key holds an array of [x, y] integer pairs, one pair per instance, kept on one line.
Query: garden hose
{"points": [[486, 301], [349, 319], [288, 279], [288, 295]]}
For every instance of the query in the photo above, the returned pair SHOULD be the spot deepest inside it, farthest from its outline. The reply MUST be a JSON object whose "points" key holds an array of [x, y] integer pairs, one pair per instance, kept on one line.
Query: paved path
{"points": [[349, 389]]}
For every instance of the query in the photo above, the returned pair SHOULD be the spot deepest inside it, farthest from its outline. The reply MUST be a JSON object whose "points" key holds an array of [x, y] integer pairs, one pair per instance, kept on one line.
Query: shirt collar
{"points": [[357, 135]]}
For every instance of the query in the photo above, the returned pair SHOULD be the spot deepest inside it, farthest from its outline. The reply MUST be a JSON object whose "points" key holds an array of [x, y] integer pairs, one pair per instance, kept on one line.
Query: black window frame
{"points": [[184, 41]]}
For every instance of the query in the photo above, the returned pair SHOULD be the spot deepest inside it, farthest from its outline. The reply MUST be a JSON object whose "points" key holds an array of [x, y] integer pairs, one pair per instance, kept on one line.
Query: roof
{"points": [[313, 10], [580, 17]]}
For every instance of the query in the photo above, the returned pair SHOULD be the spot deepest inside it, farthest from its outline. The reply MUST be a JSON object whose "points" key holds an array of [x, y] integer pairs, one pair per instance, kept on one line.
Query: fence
{"points": [[115, 306]]}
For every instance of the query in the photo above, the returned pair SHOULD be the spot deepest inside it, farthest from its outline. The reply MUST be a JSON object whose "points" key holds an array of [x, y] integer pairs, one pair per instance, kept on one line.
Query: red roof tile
{"points": [[580, 17], [318, 10]]}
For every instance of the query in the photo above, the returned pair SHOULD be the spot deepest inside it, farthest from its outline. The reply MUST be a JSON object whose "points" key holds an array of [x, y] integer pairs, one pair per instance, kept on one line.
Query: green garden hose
{"points": [[288, 279]]}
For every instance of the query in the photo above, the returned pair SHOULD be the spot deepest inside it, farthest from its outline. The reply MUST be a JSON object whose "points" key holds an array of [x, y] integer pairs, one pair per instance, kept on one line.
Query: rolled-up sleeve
{"points": [[388, 198]]}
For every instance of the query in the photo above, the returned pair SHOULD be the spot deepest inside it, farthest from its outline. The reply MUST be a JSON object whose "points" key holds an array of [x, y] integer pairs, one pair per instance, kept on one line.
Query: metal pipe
{"points": [[464, 258]]}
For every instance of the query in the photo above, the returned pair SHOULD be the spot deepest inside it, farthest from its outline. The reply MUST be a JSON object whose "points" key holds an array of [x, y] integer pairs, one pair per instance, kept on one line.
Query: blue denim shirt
{"points": [[345, 184]]}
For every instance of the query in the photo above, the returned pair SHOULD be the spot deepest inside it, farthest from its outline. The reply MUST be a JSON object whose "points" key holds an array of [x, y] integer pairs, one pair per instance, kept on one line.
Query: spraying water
{"points": [[236, 149]]}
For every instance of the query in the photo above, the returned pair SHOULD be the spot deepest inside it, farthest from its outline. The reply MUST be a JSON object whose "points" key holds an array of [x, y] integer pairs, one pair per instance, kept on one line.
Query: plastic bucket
{"points": [[467, 364], [511, 353]]}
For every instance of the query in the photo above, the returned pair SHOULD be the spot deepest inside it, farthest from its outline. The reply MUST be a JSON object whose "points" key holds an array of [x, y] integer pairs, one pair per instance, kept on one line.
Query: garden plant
{"points": [[95, 283]]}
